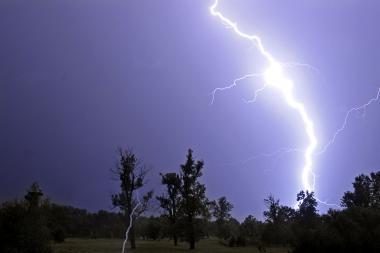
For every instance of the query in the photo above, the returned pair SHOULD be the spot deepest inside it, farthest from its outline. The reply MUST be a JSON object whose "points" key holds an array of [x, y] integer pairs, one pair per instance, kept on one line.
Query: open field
{"points": [[163, 246]]}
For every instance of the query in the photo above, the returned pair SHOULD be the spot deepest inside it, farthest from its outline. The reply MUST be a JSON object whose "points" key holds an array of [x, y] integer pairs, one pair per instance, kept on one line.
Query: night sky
{"points": [[78, 79]]}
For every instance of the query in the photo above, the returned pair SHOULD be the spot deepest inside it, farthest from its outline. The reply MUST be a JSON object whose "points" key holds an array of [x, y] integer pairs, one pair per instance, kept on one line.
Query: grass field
{"points": [[163, 246]]}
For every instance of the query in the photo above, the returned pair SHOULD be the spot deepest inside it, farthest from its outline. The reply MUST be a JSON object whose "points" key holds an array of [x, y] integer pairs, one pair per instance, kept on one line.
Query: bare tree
{"points": [[131, 174]]}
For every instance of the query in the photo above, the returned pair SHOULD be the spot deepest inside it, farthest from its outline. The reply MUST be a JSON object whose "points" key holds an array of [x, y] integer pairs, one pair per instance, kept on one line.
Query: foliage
{"points": [[221, 210], [279, 221], [307, 208], [170, 202], [149, 228], [355, 229], [366, 192], [352, 230], [193, 197], [251, 229], [23, 227]]}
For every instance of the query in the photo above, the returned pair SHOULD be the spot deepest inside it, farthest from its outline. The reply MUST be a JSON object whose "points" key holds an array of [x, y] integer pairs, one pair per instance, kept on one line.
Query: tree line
{"points": [[187, 215]]}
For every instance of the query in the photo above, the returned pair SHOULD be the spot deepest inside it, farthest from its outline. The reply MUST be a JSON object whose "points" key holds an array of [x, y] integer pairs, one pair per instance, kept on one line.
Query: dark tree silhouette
{"points": [[366, 192], [221, 210], [33, 196], [170, 201], [272, 214], [351, 230], [193, 198], [23, 227], [307, 205], [131, 174], [276, 213], [278, 222]]}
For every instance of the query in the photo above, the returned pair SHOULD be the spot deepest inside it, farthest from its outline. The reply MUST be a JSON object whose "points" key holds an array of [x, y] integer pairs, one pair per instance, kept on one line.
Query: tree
{"points": [[23, 226], [375, 189], [170, 201], [149, 228], [273, 205], [279, 218], [33, 196], [307, 222], [352, 230], [307, 211], [366, 192], [221, 211], [251, 229], [277, 213], [131, 174], [193, 196], [232, 227]]}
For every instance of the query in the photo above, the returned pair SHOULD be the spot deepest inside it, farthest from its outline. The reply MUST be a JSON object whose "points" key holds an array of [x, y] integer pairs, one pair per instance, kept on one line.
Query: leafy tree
{"points": [[149, 228], [277, 213], [171, 200], [307, 221], [57, 221], [221, 211], [74, 222], [279, 220], [273, 205], [33, 196], [307, 206], [233, 232], [366, 192], [353, 230], [251, 229], [193, 197], [131, 174], [23, 227]]}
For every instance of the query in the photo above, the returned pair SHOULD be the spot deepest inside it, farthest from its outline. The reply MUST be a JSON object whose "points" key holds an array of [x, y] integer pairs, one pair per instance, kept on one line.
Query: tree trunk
{"points": [[132, 238], [192, 242], [175, 238], [191, 233]]}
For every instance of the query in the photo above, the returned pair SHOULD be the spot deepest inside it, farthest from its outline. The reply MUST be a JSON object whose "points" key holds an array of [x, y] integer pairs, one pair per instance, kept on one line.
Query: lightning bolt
{"points": [[274, 77], [130, 223], [234, 83], [346, 118]]}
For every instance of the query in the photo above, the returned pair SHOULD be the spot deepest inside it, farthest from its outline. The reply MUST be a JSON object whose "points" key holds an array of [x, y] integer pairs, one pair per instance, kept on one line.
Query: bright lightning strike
{"points": [[274, 77]]}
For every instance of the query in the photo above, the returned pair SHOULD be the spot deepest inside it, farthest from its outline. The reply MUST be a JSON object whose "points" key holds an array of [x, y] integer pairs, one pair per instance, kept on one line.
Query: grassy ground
{"points": [[163, 246]]}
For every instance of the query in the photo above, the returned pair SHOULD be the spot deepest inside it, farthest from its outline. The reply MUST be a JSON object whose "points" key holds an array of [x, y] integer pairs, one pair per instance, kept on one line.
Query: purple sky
{"points": [[80, 78]]}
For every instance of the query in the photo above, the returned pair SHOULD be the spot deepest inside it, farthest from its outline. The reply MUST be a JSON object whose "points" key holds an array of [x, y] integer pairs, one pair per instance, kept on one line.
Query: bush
{"points": [[240, 241], [352, 230], [59, 235], [232, 242], [22, 231]]}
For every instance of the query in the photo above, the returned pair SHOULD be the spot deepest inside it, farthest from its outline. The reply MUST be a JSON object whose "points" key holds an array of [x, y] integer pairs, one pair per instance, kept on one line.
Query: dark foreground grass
{"points": [[163, 246]]}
